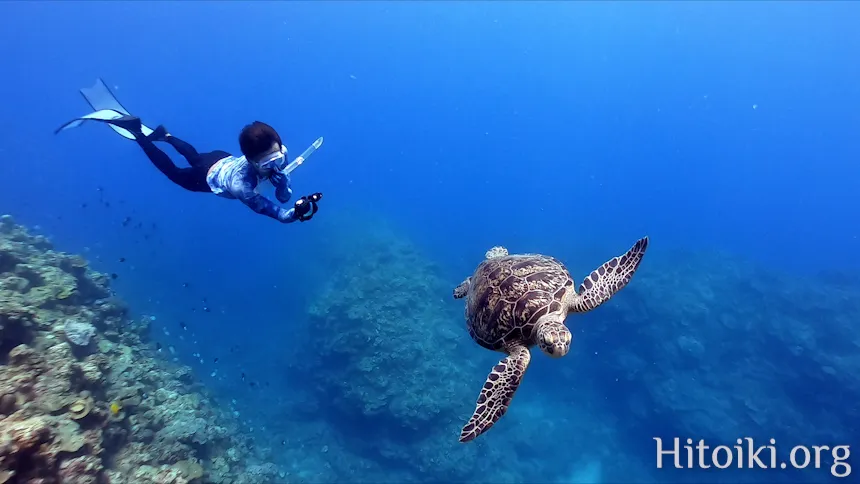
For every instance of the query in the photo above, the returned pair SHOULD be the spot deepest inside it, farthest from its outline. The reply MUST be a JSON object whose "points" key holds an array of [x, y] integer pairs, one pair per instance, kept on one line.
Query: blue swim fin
{"points": [[107, 110]]}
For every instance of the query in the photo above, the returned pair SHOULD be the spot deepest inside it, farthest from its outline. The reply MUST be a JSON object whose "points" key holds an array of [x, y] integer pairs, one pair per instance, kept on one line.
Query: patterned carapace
{"points": [[509, 294]]}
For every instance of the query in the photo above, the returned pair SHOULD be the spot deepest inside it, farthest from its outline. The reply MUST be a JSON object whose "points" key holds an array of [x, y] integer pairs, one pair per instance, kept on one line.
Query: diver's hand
{"points": [[302, 207], [282, 186], [306, 207], [279, 179]]}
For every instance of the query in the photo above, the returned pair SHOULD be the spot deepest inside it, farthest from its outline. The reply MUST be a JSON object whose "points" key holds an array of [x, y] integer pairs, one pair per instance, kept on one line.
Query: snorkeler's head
{"points": [[262, 146]]}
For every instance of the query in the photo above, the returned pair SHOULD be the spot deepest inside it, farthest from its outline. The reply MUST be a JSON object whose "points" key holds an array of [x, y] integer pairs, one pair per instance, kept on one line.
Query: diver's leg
{"points": [[193, 179], [195, 159], [187, 178], [210, 158], [184, 148]]}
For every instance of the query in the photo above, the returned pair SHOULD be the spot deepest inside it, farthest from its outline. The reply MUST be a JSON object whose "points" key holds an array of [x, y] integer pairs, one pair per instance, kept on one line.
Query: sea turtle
{"points": [[514, 302]]}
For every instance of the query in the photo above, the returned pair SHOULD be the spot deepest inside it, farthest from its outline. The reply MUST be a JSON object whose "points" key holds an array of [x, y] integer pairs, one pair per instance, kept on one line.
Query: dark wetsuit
{"points": [[192, 178], [223, 174]]}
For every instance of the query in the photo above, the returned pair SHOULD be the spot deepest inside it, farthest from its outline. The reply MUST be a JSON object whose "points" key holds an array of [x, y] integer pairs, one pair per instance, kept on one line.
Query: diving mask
{"points": [[274, 161]]}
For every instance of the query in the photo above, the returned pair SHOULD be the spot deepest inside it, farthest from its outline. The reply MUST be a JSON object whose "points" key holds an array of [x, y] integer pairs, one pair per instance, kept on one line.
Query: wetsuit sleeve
{"points": [[243, 189], [281, 183]]}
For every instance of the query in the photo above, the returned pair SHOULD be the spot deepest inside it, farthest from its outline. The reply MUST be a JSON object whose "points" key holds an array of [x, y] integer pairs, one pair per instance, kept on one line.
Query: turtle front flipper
{"points": [[497, 393], [461, 290], [608, 279]]}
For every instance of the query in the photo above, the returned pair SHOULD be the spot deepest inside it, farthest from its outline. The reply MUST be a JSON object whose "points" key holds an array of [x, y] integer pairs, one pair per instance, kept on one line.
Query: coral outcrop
{"points": [[79, 333], [701, 346], [83, 396], [386, 355], [716, 347]]}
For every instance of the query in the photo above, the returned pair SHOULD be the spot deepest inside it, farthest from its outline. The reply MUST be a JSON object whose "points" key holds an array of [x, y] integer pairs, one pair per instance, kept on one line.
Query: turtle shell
{"points": [[508, 295]]}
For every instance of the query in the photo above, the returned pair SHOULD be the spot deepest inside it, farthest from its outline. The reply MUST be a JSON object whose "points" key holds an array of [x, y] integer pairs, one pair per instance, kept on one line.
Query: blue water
{"points": [[727, 132]]}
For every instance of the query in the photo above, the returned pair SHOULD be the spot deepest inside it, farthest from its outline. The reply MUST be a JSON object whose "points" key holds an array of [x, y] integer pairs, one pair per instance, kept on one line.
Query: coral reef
{"points": [[712, 346], [702, 345], [79, 333], [386, 356], [84, 398]]}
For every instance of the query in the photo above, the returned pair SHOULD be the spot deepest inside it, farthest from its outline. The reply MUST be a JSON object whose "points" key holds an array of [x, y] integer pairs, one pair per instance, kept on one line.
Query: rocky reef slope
{"points": [[84, 398], [711, 346], [700, 345], [395, 375]]}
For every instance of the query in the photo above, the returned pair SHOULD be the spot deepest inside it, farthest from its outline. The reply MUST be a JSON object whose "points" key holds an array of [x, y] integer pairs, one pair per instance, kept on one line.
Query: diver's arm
{"points": [[288, 216], [244, 191], [281, 182]]}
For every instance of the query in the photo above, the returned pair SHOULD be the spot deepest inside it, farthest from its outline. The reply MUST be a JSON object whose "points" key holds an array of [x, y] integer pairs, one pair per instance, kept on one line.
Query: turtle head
{"points": [[553, 338], [461, 290]]}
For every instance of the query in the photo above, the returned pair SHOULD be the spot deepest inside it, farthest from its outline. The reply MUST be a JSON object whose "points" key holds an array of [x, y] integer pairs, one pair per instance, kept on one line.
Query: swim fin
{"points": [[131, 124], [107, 110]]}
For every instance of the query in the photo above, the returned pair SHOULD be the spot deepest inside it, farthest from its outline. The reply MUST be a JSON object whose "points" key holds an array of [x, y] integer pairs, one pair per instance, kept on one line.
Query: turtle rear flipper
{"points": [[608, 279], [497, 393]]}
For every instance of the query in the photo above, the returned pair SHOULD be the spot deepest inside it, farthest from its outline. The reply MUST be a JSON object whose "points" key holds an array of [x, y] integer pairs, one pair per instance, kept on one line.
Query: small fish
{"points": [[183, 325], [158, 346], [206, 309], [253, 384], [126, 221], [284, 442], [184, 284], [122, 259], [215, 360], [107, 204], [84, 205], [114, 275], [243, 377]]}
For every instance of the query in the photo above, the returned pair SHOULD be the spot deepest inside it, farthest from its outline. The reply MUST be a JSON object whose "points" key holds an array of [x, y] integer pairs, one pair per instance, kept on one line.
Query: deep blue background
{"points": [[540, 126]]}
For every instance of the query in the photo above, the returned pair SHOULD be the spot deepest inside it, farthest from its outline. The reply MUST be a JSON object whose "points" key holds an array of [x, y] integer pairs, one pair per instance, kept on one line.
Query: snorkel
{"points": [[302, 157]]}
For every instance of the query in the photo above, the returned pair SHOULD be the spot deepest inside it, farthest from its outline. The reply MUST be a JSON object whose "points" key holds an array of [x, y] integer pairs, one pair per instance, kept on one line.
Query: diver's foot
{"points": [[159, 133], [131, 124]]}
